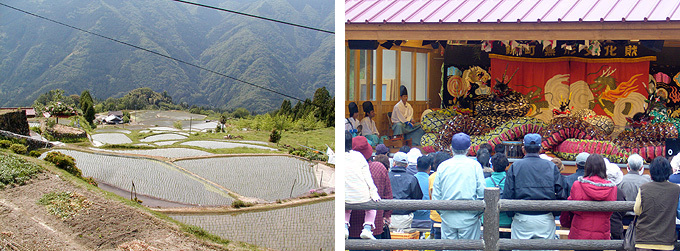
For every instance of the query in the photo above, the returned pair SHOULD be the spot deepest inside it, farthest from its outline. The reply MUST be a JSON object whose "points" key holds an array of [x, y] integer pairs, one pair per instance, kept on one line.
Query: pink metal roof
{"points": [[509, 11]]}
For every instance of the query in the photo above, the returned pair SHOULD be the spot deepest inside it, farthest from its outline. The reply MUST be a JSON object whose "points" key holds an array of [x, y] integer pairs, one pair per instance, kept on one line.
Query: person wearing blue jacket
{"points": [[404, 187], [459, 178], [533, 178]]}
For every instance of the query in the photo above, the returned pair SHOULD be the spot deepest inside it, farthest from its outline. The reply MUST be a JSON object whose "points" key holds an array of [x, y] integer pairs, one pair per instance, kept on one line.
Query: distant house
{"points": [[30, 112], [114, 117]]}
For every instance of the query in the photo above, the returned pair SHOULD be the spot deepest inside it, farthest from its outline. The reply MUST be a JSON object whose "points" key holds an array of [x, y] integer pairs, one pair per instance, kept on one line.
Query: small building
{"points": [[114, 117], [30, 112]]}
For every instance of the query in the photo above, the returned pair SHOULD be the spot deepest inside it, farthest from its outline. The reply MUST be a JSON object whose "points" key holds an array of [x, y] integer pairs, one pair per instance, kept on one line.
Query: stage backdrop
{"points": [[615, 87]]}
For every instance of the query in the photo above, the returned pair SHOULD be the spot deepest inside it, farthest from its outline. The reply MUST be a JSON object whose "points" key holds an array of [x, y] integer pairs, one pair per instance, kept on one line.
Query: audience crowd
{"points": [[452, 175]]}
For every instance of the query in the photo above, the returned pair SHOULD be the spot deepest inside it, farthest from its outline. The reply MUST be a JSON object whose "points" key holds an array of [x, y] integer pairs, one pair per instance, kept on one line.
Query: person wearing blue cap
{"points": [[459, 178], [533, 178], [402, 119]]}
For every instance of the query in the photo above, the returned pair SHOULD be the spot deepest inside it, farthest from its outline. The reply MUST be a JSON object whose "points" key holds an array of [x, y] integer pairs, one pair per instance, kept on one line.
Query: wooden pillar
{"points": [[491, 218]]}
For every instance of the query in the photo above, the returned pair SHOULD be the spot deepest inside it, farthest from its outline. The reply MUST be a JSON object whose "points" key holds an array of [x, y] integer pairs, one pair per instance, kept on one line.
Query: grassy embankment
{"points": [[16, 170]]}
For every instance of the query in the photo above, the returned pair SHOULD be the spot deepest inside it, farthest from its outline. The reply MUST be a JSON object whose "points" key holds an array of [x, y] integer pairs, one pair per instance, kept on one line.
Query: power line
{"points": [[255, 16], [159, 54]]}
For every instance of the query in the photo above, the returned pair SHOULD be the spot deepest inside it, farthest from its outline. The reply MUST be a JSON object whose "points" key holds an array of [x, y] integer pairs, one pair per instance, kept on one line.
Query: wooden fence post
{"points": [[491, 218]]}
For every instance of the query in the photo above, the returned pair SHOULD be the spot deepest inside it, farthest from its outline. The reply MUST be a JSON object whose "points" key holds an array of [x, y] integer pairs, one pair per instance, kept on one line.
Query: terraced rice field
{"points": [[166, 143], [164, 152], [253, 142], [111, 138], [113, 130], [222, 145], [165, 136], [151, 177], [266, 177], [308, 227]]}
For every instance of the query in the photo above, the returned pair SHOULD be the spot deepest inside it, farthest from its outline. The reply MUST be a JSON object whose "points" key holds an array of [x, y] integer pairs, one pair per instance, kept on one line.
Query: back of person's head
{"points": [[383, 159], [439, 157], [404, 149], [675, 163], [348, 141], [660, 169], [635, 162], [486, 146], [532, 143], [381, 149], [595, 166], [483, 157], [499, 148], [558, 163], [368, 107], [352, 108], [400, 159], [424, 163], [499, 162]]}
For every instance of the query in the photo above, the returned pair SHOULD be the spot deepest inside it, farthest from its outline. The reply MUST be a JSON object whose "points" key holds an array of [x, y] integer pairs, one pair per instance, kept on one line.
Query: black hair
{"points": [[382, 158], [487, 147], [368, 107], [402, 90], [423, 163], [348, 141], [532, 149], [404, 149], [439, 157], [660, 169], [499, 162], [483, 157], [595, 166], [352, 108], [499, 148]]}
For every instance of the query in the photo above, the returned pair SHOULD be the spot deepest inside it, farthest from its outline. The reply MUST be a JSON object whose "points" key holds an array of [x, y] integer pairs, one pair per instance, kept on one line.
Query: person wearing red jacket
{"points": [[593, 186]]}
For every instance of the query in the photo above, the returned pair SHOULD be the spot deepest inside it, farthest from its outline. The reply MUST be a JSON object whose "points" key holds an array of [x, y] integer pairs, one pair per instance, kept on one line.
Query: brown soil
{"points": [[108, 224]]}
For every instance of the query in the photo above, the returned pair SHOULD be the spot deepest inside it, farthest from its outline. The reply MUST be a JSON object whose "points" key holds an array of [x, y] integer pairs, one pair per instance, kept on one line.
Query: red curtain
{"points": [[612, 87]]}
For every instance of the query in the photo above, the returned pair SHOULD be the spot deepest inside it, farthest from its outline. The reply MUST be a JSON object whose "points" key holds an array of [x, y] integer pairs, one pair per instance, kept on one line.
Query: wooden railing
{"points": [[492, 205]]}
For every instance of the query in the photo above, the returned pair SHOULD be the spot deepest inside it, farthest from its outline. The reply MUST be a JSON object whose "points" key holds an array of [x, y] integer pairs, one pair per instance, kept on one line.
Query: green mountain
{"points": [[37, 55]]}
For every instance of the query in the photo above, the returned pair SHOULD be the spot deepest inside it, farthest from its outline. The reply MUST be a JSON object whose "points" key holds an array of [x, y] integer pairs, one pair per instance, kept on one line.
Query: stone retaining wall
{"points": [[15, 122], [30, 142]]}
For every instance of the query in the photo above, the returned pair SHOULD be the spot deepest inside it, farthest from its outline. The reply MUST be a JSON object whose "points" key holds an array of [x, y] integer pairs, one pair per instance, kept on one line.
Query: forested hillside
{"points": [[37, 56]]}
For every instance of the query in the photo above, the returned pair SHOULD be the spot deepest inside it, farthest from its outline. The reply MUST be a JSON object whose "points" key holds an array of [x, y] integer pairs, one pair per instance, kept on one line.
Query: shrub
{"points": [[65, 162], [18, 148], [91, 181], [240, 204], [5, 143], [177, 124], [64, 204], [34, 154], [36, 129], [15, 170], [275, 136]]}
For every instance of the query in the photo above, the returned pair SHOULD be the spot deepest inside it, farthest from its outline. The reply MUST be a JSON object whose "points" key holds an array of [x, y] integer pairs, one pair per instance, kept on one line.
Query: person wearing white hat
{"points": [[413, 156], [404, 187], [615, 175]]}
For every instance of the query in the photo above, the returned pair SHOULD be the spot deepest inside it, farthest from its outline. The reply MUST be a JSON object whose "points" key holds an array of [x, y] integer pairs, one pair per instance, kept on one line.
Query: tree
{"points": [[85, 98], [325, 106], [89, 114], [241, 113], [285, 109]]}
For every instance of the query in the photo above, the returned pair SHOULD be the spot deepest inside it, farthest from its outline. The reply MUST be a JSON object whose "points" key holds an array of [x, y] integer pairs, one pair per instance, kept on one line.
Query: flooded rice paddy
{"points": [[223, 145], [308, 227], [268, 178], [151, 177]]}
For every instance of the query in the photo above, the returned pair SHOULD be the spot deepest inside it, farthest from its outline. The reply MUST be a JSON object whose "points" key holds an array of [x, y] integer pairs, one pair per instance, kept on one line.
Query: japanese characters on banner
{"points": [[553, 48]]}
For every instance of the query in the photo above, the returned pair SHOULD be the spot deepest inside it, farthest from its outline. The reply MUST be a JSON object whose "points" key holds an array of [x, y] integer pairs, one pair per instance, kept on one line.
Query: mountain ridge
{"points": [[38, 56]]}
